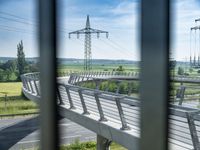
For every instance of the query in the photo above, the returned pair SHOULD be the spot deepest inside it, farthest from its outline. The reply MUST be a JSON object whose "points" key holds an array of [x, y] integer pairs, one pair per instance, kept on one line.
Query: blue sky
{"points": [[18, 21]]}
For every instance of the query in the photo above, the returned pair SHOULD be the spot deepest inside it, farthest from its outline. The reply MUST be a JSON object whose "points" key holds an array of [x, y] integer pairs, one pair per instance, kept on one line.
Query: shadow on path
{"points": [[11, 135]]}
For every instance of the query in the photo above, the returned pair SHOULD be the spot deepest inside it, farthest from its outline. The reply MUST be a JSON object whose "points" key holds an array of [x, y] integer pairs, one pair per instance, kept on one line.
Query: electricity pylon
{"points": [[87, 31]]}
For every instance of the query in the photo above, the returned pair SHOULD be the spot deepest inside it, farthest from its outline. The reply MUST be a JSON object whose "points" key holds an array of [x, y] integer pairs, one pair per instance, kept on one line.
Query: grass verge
{"points": [[88, 146], [12, 101]]}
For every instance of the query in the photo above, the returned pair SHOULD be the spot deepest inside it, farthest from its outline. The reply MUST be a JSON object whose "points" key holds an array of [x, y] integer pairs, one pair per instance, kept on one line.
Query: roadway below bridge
{"points": [[23, 133]]}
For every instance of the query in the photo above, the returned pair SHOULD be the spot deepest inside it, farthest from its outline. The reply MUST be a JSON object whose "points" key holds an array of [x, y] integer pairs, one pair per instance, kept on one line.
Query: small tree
{"points": [[21, 63], [120, 68], [180, 71]]}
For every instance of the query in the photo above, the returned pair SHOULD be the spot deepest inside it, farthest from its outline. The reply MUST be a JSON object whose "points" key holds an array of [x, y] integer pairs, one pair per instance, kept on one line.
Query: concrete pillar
{"points": [[103, 143]]}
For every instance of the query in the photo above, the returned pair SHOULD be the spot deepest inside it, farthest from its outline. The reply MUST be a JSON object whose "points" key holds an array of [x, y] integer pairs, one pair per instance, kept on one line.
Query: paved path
{"points": [[23, 133]]}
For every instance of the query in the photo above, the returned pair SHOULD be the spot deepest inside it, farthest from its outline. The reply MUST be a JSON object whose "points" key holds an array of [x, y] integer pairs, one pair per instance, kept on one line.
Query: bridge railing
{"points": [[121, 111], [113, 107], [30, 83]]}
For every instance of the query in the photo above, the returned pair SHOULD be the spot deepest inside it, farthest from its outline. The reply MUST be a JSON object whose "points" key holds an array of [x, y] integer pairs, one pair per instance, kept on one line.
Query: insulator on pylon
{"points": [[97, 34], [69, 36], [77, 35]]}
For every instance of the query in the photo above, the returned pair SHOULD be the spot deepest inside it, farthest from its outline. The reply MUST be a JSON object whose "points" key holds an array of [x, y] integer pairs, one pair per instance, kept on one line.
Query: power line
{"points": [[116, 44], [15, 20], [117, 48], [14, 30], [19, 20], [13, 15], [113, 49], [9, 27]]}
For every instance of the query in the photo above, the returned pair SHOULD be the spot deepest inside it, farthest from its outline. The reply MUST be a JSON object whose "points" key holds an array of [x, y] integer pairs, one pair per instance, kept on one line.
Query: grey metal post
{"points": [[74, 79], [102, 117], [103, 143], [154, 74], [85, 111], [30, 83], [121, 113], [77, 79], [193, 131], [70, 78], [27, 84], [24, 82], [60, 97], [70, 98], [36, 88], [47, 46]]}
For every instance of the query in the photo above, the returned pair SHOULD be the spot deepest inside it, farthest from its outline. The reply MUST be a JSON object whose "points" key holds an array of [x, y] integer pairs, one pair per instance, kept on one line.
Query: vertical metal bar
{"points": [[27, 84], [69, 98], [121, 113], [47, 45], [23, 81], [36, 88], [60, 97], [155, 74], [102, 117], [193, 131], [30, 83], [85, 111], [103, 143]]}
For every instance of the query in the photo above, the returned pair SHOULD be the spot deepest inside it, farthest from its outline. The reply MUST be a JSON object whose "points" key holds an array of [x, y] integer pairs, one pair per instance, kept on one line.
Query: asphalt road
{"points": [[23, 133]]}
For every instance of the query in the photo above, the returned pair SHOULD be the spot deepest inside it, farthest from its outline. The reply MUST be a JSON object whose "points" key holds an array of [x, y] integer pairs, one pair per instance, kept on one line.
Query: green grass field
{"points": [[10, 88], [89, 146], [110, 67], [14, 102]]}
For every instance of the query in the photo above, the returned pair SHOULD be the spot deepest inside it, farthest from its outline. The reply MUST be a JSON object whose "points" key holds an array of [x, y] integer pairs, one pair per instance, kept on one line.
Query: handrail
{"points": [[122, 104]]}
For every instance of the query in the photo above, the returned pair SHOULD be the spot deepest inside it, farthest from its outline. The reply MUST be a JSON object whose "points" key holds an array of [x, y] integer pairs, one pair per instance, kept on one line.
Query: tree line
{"points": [[12, 69]]}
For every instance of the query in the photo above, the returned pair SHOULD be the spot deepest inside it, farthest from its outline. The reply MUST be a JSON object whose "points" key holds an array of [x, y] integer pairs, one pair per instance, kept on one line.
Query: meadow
{"points": [[88, 146], [12, 100], [98, 67]]}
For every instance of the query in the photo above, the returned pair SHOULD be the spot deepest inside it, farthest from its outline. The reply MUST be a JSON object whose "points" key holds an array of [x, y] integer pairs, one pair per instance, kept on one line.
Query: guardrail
{"points": [[116, 114]]}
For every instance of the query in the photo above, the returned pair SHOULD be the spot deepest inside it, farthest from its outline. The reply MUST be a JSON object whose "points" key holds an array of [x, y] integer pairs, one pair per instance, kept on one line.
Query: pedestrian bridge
{"points": [[114, 115]]}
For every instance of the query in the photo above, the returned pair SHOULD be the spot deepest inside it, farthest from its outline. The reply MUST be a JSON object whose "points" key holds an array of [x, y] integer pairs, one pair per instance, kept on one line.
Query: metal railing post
{"points": [[85, 111], [102, 117], [24, 82], [30, 83], [27, 83], [60, 97], [36, 88], [70, 98], [193, 131], [121, 113]]}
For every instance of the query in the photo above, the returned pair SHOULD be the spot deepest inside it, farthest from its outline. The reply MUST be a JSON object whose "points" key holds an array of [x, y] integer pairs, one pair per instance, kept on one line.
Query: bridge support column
{"points": [[103, 143]]}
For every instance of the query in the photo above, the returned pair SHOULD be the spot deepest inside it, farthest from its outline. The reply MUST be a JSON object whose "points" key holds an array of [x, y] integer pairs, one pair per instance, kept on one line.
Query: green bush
{"points": [[80, 146]]}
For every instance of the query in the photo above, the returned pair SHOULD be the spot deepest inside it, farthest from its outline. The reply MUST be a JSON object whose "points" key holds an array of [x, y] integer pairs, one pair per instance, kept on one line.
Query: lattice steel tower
{"points": [[87, 31]]}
